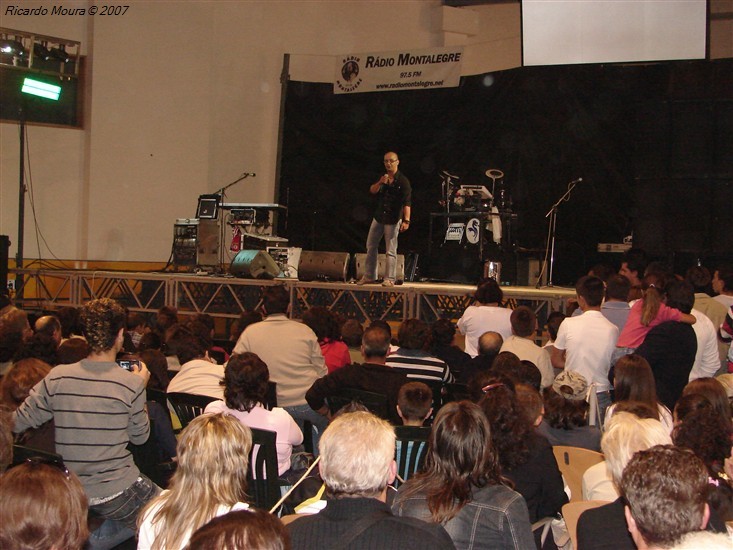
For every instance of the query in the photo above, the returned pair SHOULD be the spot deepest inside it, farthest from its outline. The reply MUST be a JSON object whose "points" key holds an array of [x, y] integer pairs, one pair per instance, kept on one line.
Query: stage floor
{"points": [[227, 296]]}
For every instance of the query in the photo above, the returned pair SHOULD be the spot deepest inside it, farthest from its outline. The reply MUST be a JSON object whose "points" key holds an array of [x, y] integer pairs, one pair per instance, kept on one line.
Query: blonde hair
{"points": [[356, 452], [627, 434], [213, 461]]}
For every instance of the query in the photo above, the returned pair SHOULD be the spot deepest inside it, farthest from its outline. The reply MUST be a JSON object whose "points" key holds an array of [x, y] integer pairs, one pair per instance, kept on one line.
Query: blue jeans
{"points": [[304, 412], [390, 233], [125, 507]]}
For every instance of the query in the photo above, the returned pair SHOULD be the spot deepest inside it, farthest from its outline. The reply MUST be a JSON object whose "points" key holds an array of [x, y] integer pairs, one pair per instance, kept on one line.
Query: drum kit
{"points": [[459, 197]]}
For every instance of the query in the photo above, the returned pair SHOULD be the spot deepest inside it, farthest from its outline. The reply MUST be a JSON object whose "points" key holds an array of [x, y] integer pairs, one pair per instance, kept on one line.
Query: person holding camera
{"points": [[98, 408]]}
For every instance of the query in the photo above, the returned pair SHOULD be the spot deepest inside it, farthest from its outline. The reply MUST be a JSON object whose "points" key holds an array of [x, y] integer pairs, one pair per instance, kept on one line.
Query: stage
{"points": [[226, 297]]}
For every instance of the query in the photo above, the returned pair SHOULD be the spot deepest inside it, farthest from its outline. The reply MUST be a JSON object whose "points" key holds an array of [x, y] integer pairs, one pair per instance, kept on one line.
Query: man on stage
{"points": [[391, 217]]}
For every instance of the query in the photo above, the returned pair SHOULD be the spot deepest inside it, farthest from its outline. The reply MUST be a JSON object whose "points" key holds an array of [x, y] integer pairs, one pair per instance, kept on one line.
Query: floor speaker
{"points": [[254, 264], [326, 266], [360, 260]]}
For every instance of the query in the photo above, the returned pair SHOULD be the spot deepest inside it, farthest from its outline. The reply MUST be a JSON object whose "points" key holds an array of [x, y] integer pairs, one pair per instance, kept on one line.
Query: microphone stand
{"points": [[550, 246], [222, 224]]}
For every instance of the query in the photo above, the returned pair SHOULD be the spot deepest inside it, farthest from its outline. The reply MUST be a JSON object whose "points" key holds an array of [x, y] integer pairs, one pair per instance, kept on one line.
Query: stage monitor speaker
{"points": [[254, 264], [207, 243], [381, 264], [326, 266]]}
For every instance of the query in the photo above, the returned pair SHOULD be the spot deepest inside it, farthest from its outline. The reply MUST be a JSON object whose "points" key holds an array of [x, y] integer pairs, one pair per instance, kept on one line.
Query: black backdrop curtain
{"points": [[653, 144]]}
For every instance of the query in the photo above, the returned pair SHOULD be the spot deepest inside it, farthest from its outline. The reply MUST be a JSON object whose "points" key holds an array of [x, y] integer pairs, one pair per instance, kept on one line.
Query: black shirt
{"points": [[391, 199]]}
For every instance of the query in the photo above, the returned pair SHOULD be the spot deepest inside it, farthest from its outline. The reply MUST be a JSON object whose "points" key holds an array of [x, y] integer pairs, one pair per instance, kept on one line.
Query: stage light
{"points": [[41, 52], [41, 89], [60, 54], [13, 48]]}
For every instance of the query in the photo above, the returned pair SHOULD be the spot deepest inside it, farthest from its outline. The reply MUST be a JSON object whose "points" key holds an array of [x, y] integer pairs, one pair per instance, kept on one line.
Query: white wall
{"points": [[183, 97]]}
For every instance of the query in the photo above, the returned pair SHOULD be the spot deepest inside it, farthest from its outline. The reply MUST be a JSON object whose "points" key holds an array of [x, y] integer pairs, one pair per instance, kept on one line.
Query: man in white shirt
{"points": [[585, 344], [707, 359], [520, 343]]}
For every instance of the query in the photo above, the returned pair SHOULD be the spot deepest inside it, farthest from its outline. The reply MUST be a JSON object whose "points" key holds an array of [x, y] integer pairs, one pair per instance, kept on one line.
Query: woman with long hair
{"points": [[211, 480], [634, 381], [462, 488], [526, 458], [245, 384]]}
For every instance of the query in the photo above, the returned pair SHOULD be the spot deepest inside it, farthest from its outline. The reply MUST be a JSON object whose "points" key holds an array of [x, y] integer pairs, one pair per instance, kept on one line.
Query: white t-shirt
{"points": [[707, 358], [724, 299], [277, 420], [588, 341], [479, 319], [147, 533]]}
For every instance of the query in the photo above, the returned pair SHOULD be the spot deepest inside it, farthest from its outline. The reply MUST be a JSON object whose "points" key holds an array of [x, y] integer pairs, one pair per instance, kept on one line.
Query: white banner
{"points": [[394, 71]]}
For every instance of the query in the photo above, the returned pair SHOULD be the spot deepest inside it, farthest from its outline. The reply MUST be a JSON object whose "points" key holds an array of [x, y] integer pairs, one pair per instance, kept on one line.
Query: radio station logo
{"points": [[349, 80]]}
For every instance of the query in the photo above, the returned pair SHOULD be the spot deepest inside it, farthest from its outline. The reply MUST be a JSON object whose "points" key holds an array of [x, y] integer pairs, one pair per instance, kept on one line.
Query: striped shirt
{"points": [[98, 408], [419, 365]]}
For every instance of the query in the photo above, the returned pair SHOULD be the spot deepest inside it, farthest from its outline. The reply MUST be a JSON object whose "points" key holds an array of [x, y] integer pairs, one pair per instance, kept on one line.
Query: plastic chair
{"points": [[375, 402], [573, 462], [411, 450], [188, 406], [263, 481], [571, 512]]}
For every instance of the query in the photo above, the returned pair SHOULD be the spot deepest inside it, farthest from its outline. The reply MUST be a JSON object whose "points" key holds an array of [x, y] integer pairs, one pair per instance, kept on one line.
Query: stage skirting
{"points": [[226, 297]]}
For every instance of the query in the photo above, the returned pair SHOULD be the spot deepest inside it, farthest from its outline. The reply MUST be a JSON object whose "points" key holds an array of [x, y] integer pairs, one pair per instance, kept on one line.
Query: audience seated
{"points": [[136, 326], [255, 529], [373, 376], [526, 458], [633, 267], [40, 346], [211, 480], [585, 344], [462, 488], [14, 331], [158, 367], [351, 334], [701, 280], [486, 314], [15, 387], [521, 342], [665, 492], [723, 285], [71, 327], [50, 326], [245, 392], [489, 345], [291, 352], [199, 375], [72, 350], [554, 320], [414, 403], [323, 322], [670, 347], [43, 506], [412, 357], [357, 463], [98, 408], [701, 429], [443, 335], [626, 433], [245, 319], [633, 381], [530, 403], [6, 438], [566, 413]]}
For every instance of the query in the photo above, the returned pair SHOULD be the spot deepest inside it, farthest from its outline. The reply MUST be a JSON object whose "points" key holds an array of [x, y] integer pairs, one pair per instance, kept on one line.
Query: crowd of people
{"points": [[639, 367]]}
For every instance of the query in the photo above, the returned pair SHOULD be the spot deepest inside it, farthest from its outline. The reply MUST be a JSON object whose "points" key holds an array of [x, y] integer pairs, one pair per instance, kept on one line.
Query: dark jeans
{"points": [[124, 508]]}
